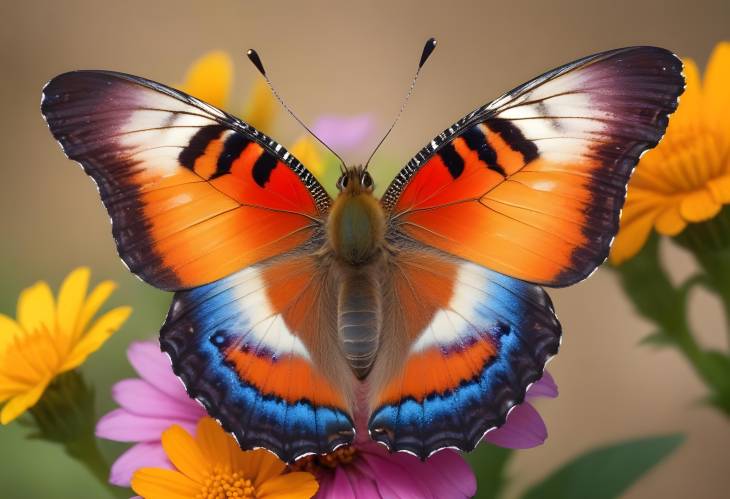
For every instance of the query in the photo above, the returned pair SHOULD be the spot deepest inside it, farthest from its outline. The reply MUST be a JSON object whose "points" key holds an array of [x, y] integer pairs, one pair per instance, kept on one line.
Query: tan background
{"points": [[351, 58]]}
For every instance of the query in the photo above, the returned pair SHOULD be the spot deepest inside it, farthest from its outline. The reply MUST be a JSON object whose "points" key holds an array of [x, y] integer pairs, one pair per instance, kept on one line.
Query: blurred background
{"points": [[328, 57]]}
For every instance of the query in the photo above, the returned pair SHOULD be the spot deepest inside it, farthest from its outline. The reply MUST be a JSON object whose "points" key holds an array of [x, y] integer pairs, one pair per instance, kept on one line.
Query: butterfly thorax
{"points": [[356, 223]]}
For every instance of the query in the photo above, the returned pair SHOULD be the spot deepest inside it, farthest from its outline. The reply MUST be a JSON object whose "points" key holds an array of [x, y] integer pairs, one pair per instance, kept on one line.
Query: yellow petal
{"points": [[720, 189], [183, 451], [93, 303], [631, 237], [157, 483], [36, 308], [699, 206], [306, 151], [20, 403], [71, 298], [259, 464], [8, 329], [670, 222], [100, 331], [261, 107], [215, 444], [9, 386], [297, 485], [210, 78], [717, 83]]}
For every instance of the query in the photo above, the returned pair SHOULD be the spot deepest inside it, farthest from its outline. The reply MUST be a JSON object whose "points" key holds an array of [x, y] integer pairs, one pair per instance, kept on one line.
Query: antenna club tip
{"points": [[428, 48], [256, 60]]}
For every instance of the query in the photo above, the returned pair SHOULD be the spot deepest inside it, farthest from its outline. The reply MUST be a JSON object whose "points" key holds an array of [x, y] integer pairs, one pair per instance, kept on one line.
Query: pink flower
{"points": [[148, 406], [345, 134], [524, 427], [368, 471]]}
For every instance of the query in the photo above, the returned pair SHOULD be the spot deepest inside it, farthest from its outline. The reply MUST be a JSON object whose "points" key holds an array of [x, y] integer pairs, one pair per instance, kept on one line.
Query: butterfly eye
{"points": [[342, 182], [366, 180]]}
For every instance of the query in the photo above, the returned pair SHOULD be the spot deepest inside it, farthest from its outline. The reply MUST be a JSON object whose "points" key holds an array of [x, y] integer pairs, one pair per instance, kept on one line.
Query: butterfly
{"points": [[418, 319]]}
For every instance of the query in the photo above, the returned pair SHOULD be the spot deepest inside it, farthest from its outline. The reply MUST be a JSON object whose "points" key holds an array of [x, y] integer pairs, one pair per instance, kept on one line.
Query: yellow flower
{"points": [[210, 78], [50, 338], [308, 152], [211, 465], [686, 179]]}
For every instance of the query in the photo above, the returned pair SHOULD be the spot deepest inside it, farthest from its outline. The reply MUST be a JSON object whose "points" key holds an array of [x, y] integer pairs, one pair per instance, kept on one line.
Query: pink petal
{"points": [[344, 133], [341, 487], [138, 456], [524, 429], [445, 474], [154, 367], [369, 476], [123, 426], [388, 472], [544, 387], [141, 398]]}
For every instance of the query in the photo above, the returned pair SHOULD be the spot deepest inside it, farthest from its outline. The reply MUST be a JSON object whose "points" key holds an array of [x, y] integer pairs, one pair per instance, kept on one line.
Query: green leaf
{"points": [[606, 472], [489, 463]]}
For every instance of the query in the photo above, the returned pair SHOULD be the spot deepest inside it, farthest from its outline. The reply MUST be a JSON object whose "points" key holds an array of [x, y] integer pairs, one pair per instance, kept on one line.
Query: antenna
{"points": [[428, 49], [256, 60]]}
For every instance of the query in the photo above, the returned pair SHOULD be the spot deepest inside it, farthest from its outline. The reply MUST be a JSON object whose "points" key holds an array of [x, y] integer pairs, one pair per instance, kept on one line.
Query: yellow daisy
{"points": [[212, 466], [686, 179], [50, 338], [210, 78]]}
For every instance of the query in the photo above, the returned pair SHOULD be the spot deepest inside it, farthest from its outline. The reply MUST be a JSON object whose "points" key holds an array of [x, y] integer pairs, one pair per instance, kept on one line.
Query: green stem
{"points": [[86, 452], [65, 415], [646, 283]]}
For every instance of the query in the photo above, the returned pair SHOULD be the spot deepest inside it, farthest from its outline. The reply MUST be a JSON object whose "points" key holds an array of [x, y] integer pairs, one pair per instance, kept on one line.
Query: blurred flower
{"points": [[50, 338], [345, 134], [308, 152], [149, 405], [525, 428], [686, 178], [210, 79], [367, 470], [211, 465]]}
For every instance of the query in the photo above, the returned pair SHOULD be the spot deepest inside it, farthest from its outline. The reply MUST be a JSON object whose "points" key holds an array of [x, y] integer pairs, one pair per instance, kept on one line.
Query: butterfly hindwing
{"points": [[532, 184], [257, 349], [193, 193], [461, 345]]}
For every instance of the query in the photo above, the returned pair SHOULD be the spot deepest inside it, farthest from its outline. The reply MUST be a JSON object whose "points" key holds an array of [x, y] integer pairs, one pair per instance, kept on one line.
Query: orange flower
{"points": [[211, 465], [686, 178]]}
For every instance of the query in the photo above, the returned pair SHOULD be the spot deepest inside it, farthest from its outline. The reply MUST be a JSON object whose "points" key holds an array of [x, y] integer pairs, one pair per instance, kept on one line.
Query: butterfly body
{"points": [[420, 314]]}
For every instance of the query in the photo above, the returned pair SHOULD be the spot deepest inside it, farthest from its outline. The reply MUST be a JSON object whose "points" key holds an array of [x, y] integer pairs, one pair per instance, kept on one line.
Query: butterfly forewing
{"points": [[532, 185], [193, 193]]}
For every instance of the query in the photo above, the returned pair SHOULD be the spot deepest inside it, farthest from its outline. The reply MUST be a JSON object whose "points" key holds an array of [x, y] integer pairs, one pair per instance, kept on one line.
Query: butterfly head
{"points": [[355, 180]]}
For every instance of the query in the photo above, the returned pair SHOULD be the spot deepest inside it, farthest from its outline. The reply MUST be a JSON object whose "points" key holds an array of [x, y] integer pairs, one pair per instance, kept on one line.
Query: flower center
{"points": [[221, 483], [340, 457]]}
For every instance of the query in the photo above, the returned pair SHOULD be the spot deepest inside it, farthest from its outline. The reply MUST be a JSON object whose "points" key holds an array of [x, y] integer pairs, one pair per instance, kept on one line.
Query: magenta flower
{"points": [[524, 427], [368, 471], [148, 406]]}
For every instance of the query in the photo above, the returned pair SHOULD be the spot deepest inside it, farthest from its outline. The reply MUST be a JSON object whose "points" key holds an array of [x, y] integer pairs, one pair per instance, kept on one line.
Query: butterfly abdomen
{"points": [[359, 318]]}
